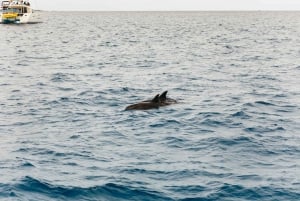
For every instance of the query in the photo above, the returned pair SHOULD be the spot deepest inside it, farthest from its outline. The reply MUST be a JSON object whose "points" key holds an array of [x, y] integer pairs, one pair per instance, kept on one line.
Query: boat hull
{"points": [[16, 20]]}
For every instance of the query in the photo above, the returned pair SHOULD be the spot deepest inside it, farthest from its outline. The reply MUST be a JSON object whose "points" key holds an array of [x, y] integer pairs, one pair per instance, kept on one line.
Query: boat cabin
{"points": [[5, 4]]}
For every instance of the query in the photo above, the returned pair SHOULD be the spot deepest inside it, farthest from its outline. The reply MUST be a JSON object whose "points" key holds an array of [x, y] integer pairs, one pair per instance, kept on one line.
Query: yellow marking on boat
{"points": [[9, 15]]}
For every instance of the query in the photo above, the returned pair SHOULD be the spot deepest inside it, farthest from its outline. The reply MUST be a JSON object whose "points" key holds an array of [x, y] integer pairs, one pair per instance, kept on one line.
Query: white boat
{"points": [[15, 12]]}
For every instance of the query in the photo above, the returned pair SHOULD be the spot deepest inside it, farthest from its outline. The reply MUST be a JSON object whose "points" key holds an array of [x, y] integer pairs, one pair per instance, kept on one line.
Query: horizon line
{"points": [[212, 10]]}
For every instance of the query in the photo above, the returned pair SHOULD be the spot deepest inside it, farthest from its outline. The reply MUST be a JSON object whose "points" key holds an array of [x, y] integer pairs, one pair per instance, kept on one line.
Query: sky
{"points": [[163, 5]]}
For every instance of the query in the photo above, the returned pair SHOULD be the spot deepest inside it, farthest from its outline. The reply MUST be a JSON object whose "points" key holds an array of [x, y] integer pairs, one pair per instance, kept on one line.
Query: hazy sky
{"points": [[166, 4]]}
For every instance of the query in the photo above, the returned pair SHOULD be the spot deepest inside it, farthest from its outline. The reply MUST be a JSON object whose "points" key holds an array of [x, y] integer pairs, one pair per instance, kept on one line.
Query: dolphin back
{"points": [[153, 104]]}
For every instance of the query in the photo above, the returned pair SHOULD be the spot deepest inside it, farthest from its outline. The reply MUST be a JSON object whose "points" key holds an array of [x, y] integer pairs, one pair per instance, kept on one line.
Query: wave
{"points": [[264, 103], [241, 114], [34, 189], [263, 129], [238, 192]]}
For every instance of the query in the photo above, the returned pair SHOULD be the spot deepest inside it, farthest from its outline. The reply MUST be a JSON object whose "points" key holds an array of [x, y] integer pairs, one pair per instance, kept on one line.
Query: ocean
{"points": [[66, 80]]}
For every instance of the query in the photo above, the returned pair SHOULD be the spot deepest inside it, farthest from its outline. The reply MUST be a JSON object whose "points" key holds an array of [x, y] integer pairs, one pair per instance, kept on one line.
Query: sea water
{"points": [[233, 136]]}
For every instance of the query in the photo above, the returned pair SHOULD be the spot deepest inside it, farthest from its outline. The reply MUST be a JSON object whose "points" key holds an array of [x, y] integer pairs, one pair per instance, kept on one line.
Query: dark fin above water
{"points": [[163, 96], [156, 99]]}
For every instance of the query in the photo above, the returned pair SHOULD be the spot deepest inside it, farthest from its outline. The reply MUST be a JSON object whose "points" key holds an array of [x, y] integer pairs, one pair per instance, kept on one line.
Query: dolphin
{"points": [[145, 105], [155, 103]]}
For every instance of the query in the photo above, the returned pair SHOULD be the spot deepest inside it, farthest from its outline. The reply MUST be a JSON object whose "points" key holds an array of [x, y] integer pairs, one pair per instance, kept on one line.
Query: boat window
{"points": [[5, 3], [11, 10]]}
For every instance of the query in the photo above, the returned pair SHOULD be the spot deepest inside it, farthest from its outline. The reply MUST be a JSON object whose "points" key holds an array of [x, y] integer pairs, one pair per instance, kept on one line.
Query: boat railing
{"points": [[18, 2]]}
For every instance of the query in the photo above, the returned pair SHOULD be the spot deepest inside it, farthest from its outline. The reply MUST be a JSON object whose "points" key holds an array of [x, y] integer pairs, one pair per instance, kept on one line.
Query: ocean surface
{"points": [[233, 136]]}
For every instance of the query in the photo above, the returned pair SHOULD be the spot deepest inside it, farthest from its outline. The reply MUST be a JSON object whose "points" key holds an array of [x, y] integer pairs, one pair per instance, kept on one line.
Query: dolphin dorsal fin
{"points": [[155, 99], [163, 96]]}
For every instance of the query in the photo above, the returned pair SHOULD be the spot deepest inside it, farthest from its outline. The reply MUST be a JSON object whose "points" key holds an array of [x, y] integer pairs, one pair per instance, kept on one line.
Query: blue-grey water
{"points": [[233, 136]]}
